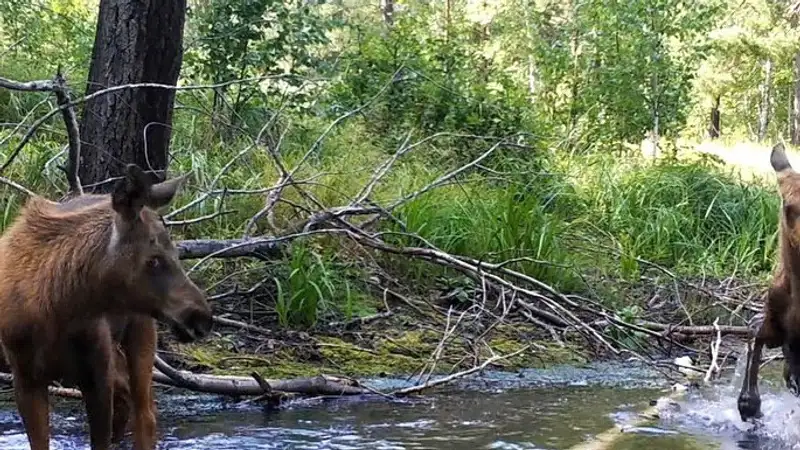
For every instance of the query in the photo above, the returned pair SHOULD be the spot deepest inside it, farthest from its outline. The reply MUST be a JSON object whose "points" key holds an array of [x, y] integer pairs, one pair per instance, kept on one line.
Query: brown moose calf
{"points": [[781, 322], [81, 284]]}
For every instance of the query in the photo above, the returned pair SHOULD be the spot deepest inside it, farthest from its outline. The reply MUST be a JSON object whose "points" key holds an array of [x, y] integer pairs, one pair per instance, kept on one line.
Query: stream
{"points": [[555, 408]]}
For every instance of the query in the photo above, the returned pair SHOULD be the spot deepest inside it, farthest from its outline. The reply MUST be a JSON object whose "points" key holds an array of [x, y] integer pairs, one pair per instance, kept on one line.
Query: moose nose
{"points": [[200, 322]]}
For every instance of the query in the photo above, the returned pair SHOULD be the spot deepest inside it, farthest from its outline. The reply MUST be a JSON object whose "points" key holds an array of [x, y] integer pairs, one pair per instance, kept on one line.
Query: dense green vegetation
{"points": [[574, 86]]}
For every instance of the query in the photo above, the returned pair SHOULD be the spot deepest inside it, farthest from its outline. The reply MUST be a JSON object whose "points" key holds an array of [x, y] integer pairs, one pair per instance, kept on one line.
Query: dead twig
{"points": [[713, 366]]}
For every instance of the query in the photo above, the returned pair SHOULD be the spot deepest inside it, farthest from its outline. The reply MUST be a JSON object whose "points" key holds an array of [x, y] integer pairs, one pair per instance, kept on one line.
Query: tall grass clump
{"points": [[494, 223], [693, 216]]}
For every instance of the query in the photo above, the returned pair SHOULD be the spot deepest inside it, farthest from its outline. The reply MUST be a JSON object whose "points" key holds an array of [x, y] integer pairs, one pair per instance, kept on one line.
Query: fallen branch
{"points": [[264, 248], [29, 86], [239, 386], [360, 321], [697, 330], [53, 390], [242, 325]]}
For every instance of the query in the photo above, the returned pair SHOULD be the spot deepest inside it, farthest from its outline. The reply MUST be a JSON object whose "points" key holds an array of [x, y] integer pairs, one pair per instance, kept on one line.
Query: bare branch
{"points": [[274, 194], [382, 170], [17, 186], [28, 86], [71, 123], [32, 129]]}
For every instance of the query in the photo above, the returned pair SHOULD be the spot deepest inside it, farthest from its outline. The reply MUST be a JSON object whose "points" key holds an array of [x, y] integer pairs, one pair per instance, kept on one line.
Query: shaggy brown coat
{"points": [[81, 283], [781, 320]]}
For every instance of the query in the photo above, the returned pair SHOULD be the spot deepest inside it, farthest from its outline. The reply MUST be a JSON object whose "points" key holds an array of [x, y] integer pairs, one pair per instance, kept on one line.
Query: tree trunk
{"points": [[795, 120], [388, 12], [656, 131], [766, 101], [136, 41], [713, 129]]}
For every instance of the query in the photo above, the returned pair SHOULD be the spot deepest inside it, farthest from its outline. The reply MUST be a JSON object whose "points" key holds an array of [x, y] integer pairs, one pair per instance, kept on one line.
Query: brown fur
{"points": [[80, 285], [781, 323]]}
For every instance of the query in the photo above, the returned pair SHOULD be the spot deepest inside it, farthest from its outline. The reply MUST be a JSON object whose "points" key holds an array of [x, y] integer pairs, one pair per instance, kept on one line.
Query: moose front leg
{"points": [[140, 347], [30, 391], [34, 408], [749, 402]]}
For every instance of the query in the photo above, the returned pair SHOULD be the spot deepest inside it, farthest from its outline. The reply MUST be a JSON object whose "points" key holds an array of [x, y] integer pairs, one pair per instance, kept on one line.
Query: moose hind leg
{"points": [[122, 399]]}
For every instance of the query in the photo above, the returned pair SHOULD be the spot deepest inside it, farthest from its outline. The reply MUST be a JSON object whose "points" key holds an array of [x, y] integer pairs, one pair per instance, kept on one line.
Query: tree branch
{"points": [[71, 122]]}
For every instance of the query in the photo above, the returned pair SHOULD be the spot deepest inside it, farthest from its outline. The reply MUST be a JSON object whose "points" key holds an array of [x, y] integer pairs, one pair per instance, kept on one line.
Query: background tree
{"points": [[135, 42]]}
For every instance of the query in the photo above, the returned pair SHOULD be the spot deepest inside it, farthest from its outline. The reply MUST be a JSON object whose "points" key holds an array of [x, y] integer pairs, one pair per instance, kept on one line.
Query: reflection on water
{"points": [[553, 409]]}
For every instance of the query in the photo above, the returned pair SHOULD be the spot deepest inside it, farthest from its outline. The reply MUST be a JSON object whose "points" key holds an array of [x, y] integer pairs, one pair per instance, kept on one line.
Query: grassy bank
{"points": [[594, 225]]}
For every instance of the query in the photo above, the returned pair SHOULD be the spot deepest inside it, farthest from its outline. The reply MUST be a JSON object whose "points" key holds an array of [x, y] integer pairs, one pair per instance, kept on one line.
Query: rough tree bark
{"points": [[766, 101], [713, 127], [136, 41]]}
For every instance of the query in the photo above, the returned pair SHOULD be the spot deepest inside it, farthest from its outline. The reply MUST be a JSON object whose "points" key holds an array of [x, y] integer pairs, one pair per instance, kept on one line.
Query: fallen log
{"points": [[229, 248], [246, 386], [234, 386]]}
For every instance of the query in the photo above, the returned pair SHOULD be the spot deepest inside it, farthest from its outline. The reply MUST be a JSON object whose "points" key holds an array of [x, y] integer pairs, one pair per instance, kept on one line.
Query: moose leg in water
{"points": [[770, 334], [96, 381], [749, 402], [30, 389], [139, 345]]}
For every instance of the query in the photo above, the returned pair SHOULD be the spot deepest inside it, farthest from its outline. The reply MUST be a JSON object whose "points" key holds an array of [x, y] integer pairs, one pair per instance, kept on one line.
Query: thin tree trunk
{"points": [[713, 129], [136, 41], [795, 120], [388, 12], [656, 132], [764, 108]]}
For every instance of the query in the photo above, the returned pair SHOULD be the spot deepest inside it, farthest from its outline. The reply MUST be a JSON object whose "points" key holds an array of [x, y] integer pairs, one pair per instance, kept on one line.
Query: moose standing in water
{"points": [[81, 285], [781, 320]]}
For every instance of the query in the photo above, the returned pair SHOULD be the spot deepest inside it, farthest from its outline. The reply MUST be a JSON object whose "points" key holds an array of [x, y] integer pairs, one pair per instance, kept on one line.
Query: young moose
{"points": [[781, 325], [81, 284]]}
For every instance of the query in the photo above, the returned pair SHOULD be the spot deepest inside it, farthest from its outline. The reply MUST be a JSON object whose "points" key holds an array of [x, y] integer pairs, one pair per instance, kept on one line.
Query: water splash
{"points": [[713, 411]]}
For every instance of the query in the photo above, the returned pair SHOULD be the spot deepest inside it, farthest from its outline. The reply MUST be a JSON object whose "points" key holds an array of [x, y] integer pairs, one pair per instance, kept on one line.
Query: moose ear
{"points": [[131, 193], [779, 160], [161, 194]]}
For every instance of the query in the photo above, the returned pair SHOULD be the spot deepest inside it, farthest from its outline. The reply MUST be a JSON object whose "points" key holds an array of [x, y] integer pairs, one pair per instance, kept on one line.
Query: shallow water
{"points": [[553, 409]]}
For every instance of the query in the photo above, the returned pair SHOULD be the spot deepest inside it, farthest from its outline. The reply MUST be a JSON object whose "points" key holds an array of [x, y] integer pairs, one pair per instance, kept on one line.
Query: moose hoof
{"points": [[749, 407]]}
